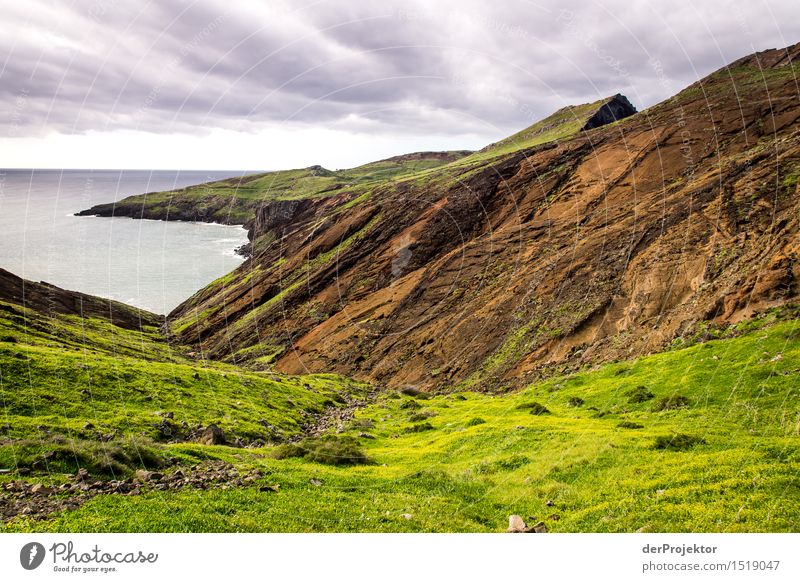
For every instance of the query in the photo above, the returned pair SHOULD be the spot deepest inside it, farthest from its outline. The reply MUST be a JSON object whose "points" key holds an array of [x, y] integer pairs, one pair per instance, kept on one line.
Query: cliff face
{"points": [[549, 251]]}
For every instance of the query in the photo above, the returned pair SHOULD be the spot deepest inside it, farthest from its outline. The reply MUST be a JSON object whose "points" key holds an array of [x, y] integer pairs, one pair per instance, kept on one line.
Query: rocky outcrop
{"points": [[616, 108], [179, 206], [276, 215]]}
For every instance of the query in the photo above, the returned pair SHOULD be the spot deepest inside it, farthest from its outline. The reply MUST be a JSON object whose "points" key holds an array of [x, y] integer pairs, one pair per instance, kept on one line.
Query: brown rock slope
{"points": [[51, 300], [558, 248]]}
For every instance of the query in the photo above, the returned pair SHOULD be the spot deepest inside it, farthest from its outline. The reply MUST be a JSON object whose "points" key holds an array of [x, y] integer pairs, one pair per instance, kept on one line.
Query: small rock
{"points": [[88, 426], [366, 435], [315, 482], [539, 528], [554, 517], [407, 516], [146, 476], [516, 524], [549, 503], [778, 357], [212, 435], [40, 489], [274, 488], [82, 474]]}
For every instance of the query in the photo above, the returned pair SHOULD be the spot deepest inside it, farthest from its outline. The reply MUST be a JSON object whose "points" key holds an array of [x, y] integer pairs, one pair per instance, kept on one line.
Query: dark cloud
{"points": [[445, 67]]}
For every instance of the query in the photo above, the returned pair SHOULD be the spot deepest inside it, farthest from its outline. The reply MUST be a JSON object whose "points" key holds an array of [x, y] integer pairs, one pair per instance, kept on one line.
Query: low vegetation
{"points": [[727, 462]]}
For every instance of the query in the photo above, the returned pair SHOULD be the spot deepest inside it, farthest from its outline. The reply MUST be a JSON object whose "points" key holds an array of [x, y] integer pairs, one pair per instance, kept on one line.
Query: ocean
{"points": [[152, 264]]}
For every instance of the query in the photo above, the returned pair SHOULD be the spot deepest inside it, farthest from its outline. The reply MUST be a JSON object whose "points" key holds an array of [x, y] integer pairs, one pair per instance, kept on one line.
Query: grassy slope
{"points": [[468, 475], [59, 373]]}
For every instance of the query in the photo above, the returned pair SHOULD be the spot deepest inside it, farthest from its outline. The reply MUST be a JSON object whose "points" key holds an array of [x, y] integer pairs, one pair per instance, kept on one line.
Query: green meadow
{"points": [[701, 438]]}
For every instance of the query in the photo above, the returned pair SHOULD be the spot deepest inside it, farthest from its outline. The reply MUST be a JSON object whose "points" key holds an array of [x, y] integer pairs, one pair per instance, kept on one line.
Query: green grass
{"points": [[727, 461], [83, 392]]}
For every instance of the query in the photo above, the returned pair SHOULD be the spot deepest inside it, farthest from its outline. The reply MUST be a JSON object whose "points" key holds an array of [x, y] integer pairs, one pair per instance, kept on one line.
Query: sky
{"points": [[265, 85]]}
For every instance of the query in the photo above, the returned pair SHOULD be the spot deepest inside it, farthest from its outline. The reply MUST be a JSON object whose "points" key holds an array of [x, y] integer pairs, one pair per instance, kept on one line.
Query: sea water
{"points": [[151, 264]]}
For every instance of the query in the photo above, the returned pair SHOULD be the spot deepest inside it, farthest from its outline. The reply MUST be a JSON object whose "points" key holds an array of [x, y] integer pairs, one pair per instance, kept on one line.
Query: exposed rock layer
{"points": [[49, 299], [501, 266]]}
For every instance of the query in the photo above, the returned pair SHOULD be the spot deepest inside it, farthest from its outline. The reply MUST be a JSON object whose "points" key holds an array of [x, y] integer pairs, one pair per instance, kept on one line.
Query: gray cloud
{"points": [[447, 67]]}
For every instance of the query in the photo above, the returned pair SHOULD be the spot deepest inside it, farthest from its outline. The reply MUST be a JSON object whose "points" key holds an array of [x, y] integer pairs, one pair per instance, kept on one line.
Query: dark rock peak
{"points": [[616, 108]]}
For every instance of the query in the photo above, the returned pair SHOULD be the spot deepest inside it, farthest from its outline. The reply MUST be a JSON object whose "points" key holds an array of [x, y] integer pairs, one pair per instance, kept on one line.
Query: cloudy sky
{"points": [[265, 84]]}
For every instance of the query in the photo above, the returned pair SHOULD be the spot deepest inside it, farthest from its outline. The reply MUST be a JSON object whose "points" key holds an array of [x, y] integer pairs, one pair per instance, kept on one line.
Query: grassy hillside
{"points": [[81, 392], [700, 438], [235, 200]]}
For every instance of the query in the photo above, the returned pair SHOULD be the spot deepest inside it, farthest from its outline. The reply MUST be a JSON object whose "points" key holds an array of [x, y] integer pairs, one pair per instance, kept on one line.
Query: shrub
{"points": [[419, 416], [629, 424], [328, 450], [112, 459], [411, 405], [672, 402], [475, 421], [415, 392], [677, 442], [534, 407], [288, 451], [639, 394], [420, 427], [575, 401]]}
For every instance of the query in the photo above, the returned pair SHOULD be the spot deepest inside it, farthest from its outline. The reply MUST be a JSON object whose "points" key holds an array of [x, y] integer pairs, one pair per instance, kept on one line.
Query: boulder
{"points": [[212, 435], [516, 524]]}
